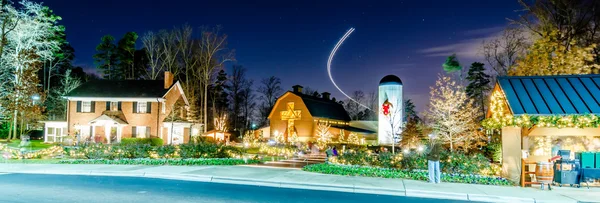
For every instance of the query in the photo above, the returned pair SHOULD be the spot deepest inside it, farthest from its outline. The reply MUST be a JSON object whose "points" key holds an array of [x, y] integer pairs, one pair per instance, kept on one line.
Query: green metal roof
{"points": [[565, 94]]}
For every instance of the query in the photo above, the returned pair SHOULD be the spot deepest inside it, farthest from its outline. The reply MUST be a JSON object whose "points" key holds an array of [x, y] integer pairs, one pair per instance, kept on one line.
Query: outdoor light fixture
{"points": [[406, 151], [420, 148]]}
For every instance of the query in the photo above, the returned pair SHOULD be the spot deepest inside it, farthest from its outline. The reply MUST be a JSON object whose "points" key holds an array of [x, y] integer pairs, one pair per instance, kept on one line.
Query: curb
{"points": [[294, 185]]}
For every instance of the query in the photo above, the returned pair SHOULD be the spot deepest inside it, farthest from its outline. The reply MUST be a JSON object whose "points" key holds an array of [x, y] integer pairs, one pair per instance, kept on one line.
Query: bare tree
{"points": [[169, 52], [353, 107], [55, 98], [155, 54], [189, 61], [270, 89], [248, 104], [213, 54], [503, 52], [311, 91], [236, 89]]}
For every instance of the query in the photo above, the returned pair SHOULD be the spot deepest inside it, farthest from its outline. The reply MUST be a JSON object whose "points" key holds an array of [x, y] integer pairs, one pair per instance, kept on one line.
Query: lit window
{"points": [[164, 107], [86, 106], [114, 106], [140, 131], [141, 107]]}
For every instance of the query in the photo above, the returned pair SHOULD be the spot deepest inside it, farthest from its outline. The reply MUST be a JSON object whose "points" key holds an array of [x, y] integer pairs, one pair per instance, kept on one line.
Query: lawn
{"points": [[34, 144]]}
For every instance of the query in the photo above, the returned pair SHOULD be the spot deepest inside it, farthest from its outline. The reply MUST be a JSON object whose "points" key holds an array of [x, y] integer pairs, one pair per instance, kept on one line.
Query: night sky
{"points": [[292, 40]]}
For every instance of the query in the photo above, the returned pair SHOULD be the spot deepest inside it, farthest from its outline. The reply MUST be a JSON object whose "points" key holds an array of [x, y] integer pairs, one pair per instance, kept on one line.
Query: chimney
{"points": [[326, 95], [168, 79], [297, 89]]}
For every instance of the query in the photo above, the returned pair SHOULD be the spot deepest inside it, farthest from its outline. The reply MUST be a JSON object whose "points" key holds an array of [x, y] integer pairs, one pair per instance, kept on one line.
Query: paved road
{"points": [[66, 188]]}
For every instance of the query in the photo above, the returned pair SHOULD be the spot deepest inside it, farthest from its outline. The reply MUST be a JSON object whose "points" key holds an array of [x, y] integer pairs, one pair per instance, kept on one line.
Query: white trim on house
{"points": [[180, 91], [117, 99]]}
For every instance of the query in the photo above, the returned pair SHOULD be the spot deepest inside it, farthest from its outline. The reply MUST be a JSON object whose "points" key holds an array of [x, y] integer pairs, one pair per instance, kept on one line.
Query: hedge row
{"points": [[396, 173], [175, 162]]}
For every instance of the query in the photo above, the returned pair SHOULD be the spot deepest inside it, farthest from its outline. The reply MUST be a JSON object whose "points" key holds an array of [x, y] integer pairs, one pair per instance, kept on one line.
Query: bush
{"points": [[155, 141], [207, 150], [167, 151], [278, 150], [396, 173], [204, 139], [450, 162], [135, 141], [177, 162]]}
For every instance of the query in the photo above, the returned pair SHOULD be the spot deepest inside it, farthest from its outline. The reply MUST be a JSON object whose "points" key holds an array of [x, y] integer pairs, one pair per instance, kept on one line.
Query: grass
{"points": [[34, 144]]}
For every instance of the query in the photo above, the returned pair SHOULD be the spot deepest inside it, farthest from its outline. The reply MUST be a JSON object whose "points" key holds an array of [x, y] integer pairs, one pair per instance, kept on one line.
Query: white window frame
{"points": [[142, 108], [86, 106], [139, 132], [114, 106]]}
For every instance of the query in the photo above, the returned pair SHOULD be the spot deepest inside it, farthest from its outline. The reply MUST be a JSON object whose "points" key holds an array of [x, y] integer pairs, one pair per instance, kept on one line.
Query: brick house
{"points": [[108, 110]]}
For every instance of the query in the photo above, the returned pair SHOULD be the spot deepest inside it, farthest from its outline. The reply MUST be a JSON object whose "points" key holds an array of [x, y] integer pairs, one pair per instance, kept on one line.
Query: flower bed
{"points": [[367, 171], [175, 162]]}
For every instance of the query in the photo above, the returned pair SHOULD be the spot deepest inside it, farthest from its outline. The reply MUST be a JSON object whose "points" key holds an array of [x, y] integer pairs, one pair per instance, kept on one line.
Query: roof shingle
{"points": [[120, 88], [324, 108]]}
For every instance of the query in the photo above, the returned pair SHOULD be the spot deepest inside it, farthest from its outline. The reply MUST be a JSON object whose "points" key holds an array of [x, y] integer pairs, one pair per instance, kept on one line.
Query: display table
{"points": [[589, 175]]}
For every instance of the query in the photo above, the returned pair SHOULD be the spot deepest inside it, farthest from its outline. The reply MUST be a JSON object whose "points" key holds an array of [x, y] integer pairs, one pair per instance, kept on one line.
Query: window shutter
{"points": [[119, 106], [148, 107], [93, 107], [147, 131], [134, 107], [108, 106], [78, 106], [133, 131]]}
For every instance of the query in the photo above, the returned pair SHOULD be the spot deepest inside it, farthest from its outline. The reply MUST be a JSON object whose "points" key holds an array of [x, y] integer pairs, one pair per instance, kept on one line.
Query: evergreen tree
{"points": [[140, 63], [412, 135], [106, 58], [452, 65], [409, 110], [478, 85], [126, 54]]}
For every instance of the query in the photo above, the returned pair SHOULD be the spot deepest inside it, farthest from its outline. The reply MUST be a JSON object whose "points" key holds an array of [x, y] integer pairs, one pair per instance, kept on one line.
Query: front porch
{"points": [[104, 129]]}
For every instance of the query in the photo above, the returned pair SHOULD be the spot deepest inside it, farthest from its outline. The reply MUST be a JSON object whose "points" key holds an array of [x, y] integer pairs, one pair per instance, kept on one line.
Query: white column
{"points": [[169, 135], [45, 132], [119, 131], [107, 129], [93, 135]]}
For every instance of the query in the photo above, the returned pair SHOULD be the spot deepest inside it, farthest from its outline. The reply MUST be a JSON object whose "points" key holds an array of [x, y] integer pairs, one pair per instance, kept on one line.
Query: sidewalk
{"points": [[293, 178]]}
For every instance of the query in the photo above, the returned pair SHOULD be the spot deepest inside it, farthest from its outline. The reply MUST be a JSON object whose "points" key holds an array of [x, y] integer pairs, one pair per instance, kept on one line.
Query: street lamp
{"points": [[34, 98]]}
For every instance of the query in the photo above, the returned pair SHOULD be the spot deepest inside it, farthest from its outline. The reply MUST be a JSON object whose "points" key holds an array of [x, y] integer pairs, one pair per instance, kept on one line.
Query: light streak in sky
{"points": [[331, 55]]}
